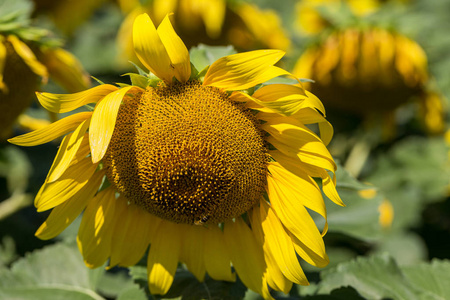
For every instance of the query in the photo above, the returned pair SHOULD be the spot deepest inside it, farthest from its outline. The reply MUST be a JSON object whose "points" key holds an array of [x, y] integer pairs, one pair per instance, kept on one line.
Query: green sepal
{"points": [[138, 80], [98, 80]]}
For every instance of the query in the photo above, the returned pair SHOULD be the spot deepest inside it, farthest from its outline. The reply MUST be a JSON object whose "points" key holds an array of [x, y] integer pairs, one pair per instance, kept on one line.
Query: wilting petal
{"points": [[103, 122], [150, 49], [28, 57], [163, 257], [302, 189], [274, 276], [306, 116], [61, 103], [294, 216], [132, 234], [246, 255], [294, 139], [72, 180], [52, 131], [177, 51], [278, 242], [96, 228], [244, 70], [68, 149], [64, 214], [217, 258], [65, 69], [192, 251]]}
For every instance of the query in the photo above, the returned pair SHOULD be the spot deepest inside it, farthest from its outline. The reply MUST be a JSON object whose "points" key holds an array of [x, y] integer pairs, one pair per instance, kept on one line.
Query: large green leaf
{"points": [[375, 277], [413, 173], [432, 278], [359, 219], [55, 272]]}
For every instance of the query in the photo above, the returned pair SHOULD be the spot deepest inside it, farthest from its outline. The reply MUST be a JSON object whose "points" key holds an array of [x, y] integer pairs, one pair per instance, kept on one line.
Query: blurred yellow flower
{"points": [[26, 56], [190, 163], [370, 71], [311, 18], [217, 22]]}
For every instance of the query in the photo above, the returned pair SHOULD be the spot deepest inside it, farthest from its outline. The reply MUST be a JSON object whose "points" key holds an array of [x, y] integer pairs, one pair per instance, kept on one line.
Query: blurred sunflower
{"points": [[28, 54], [371, 71], [192, 164], [62, 12], [217, 22], [315, 15]]}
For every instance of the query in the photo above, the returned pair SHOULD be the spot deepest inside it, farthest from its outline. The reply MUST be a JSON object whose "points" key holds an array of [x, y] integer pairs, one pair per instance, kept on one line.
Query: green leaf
{"points": [[375, 277], [359, 219], [55, 272], [343, 293], [432, 278], [114, 282], [133, 292], [16, 167], [411, 175]]}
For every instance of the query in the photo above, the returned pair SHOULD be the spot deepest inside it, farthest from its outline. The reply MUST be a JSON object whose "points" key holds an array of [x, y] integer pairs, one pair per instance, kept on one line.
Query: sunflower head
{"points": [[216, 22], [28, 56], [365, 70], [210, 168]]}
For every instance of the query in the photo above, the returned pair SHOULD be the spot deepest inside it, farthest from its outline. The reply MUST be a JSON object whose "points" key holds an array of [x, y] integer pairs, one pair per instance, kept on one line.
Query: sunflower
{"points": [[194, 165], [218, 22], [371, 71], [313, 16], [29, 56]]}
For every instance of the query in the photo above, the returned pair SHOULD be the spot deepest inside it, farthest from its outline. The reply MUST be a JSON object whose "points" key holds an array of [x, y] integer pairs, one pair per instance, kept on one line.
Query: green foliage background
{"points": [[408, 260]]}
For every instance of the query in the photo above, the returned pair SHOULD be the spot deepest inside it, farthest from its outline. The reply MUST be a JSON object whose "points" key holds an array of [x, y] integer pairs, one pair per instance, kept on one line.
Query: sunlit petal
{"points": [[103, 121], [52, 131], [64, 214], [244, 70], [163, 257], [61, 103], [95, 232], [150, 49], [177, 51]]}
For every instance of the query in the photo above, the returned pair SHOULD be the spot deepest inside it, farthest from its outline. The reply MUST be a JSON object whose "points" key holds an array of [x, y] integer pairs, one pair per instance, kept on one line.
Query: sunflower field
{"points": [[224, 149]]}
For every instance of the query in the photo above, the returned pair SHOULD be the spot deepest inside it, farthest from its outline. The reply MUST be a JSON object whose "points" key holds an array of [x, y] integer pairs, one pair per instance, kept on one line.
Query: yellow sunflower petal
{"points": [[3, 87], [274, 276], [61, 103], [244, 70], [213, 14], [217, 258], [95, 232], [150, 49], [294, 139], [132, 234], [306, 116], [64, 214], [192, 252], [301, 187], [65, 69], [329, 188], [278, 243], [67, 150], [103, 121], [28, 57], [246, 255], [177, 51], [52, 131], [163, 257], [71, 182], [293, 215]]}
